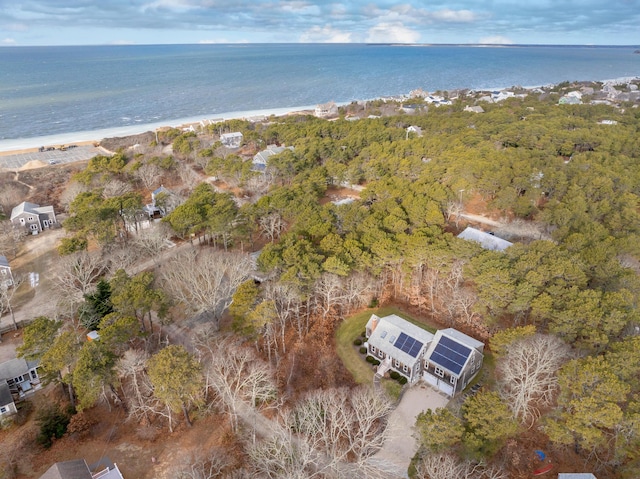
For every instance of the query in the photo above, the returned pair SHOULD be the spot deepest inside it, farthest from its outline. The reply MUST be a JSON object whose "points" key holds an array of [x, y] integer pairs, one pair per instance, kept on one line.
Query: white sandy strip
{"points": [[97, 135]]}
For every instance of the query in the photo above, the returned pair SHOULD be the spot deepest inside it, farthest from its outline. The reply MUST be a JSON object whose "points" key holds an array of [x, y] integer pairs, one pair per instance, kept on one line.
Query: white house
{"points": [[486, 240], [398, 344], [452, 361], [7, 405], [231, 140], [6, 278], [21, 376], [34, 218], [326, 110], [448, 360]]}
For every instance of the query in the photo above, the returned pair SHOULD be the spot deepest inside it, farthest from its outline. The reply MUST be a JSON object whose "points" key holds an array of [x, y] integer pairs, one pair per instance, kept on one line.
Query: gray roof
{"points": [[76, 469], [15, 367], [262, 156], [486, 240], [5, 394], [4, 261], [389, 329], [463, 338], [26, 207], [235, 134], [576, 475], [444, 351]]}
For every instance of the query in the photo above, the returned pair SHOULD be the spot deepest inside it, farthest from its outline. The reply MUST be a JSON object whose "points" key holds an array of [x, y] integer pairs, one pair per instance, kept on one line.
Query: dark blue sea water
{"points": [[63, 90]]}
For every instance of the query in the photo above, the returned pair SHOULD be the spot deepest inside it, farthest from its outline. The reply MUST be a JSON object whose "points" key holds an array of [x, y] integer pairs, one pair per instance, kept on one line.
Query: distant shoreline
{"points": [[21, 145], [18, 145]]}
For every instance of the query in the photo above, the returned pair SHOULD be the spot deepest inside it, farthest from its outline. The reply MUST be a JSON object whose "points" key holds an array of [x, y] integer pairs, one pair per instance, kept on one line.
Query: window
{"points": [[405, 368], [372, 349], [34, 375], [383, 335], [30, 218], [3, 409], [396, 363], [452, 380], [439, 372], [381, 355]]}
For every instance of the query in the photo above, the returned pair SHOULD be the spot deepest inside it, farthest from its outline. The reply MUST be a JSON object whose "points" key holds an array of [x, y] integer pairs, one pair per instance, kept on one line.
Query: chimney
{"points": [[374, 322]]}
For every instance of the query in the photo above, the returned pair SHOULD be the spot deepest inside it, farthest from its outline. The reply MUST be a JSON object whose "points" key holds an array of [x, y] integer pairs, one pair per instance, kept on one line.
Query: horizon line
{"points": [[415, 44]]}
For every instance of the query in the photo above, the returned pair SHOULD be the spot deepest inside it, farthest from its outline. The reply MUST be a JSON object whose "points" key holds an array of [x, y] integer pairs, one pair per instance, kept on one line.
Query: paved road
{"points": [[79, 153]]}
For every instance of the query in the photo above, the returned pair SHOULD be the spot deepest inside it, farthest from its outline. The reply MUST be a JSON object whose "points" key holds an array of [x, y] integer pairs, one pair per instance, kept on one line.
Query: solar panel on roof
{"points": [[450, 355], [409, 345]]}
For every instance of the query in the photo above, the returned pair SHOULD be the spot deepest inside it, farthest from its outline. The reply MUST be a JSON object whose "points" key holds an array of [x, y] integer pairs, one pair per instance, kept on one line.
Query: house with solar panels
{"points": [[448, 360], [398, 344], [452, 361]]}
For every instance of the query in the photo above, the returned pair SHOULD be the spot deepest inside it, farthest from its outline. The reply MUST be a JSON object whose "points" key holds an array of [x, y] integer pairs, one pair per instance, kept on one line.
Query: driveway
{"points": [[401, 444]]}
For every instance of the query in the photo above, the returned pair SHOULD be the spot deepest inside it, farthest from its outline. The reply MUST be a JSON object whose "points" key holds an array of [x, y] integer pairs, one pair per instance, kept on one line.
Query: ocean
{"points": [[90, 92]]}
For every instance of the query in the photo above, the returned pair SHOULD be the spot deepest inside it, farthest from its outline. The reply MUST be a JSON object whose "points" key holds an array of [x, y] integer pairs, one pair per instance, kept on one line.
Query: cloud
{"points": [[496, 40], [392, 33], [326, 34], [122, 42], [8, 41], [454, 16]]}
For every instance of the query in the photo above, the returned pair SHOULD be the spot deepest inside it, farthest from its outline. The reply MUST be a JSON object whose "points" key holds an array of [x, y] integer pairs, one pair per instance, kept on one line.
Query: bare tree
{"points": [[330, 291], [10, 239], [271, 225], [202, 465], [151, 241], [137, 388], [236, 376], [204, 282], [121, 256], [116, 188], [69, 194], [287, 303], [528, 374], [148, 175], [346, 426], [12, 193], [283, 456], [7, 293], [77, 273], [446, 466]]}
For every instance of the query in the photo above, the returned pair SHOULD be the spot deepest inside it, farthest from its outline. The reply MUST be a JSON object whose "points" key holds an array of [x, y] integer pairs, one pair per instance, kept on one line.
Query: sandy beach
{"points": [[29, 145]]}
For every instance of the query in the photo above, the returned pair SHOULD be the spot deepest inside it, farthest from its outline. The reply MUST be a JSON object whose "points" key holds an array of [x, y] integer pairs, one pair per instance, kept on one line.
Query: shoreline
{"points": [[26, 145]]}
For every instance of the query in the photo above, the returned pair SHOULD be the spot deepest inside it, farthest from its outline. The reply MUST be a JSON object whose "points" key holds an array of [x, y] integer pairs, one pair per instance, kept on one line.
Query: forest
{"points": [[558, 310]]}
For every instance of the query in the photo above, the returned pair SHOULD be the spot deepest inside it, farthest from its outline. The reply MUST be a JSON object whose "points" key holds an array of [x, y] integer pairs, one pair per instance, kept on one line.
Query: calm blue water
{"points": [[60, 90]]}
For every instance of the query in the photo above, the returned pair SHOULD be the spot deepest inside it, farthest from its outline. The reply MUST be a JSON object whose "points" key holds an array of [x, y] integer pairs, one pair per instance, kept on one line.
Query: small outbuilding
{"points": [[486, 240]]}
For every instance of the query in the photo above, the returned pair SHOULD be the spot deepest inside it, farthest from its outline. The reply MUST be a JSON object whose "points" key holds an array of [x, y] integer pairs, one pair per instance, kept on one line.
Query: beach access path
{"points": [[35, 158]]}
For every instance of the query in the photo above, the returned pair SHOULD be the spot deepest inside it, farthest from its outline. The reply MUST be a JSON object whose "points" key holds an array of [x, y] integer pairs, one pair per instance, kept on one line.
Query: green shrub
{"points": [[373, 303], [363, 350], [375, 362], [53, 422], [363, 334], [357, 342], [402, 380], [394, 375], [370, 359]]}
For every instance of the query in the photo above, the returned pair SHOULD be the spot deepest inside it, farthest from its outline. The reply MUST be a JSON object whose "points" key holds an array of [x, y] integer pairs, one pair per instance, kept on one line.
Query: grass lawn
{"points": [[351, 328]]}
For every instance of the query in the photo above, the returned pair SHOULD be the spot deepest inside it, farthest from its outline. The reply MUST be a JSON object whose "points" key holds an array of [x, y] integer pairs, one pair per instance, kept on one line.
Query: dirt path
{"points": [[481, 219]]}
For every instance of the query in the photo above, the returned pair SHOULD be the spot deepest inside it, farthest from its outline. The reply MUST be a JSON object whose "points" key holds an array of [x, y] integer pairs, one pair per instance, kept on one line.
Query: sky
{"points": [[111, 22]]}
